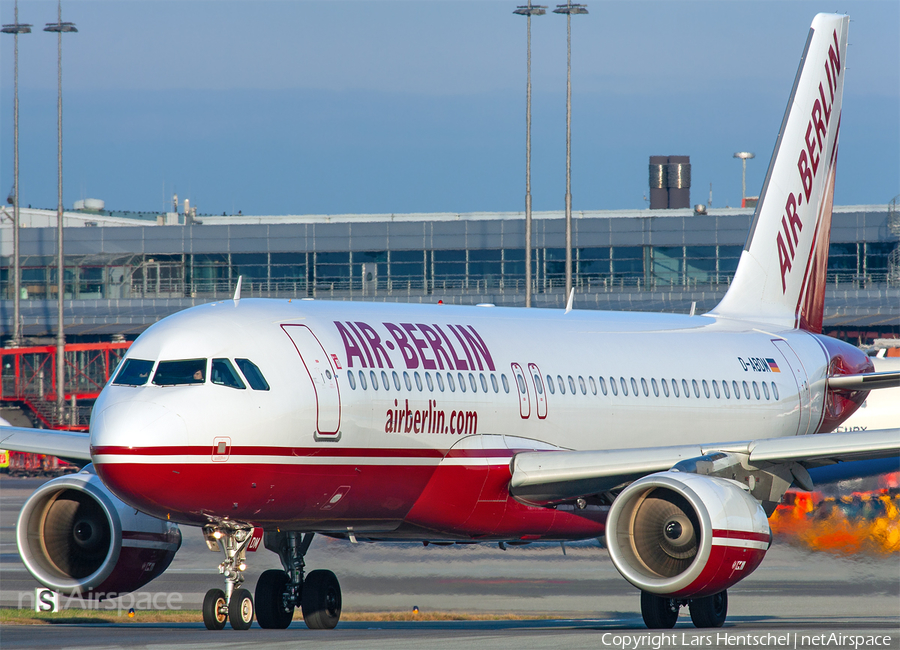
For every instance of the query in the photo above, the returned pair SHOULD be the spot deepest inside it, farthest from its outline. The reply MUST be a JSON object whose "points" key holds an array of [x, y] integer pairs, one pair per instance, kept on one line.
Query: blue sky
{"points": [[332, 107]]}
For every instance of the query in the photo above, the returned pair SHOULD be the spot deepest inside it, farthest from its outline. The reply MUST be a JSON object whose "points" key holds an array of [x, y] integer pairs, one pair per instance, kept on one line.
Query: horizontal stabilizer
{"points": [[869, 381], [862, 445]]}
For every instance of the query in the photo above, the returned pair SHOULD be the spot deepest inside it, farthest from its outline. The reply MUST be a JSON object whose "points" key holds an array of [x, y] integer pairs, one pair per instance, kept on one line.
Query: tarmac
{"points": [[792, 600]]}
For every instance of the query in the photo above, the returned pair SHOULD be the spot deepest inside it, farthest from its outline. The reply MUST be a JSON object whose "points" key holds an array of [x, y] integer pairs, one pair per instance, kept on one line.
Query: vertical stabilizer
{"points": [[781, 275]]}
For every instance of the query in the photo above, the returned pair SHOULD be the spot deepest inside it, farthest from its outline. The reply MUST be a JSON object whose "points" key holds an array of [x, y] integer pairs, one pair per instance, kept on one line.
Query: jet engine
{"points": [[75, 537], [682, 535]]}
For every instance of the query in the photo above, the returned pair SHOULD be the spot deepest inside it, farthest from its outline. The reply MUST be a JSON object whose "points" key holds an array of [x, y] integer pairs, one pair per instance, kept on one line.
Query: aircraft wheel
{"points": [[659, 613], [710, 611], [271, 612], [321, 600], [214, 609], [240, 609]]}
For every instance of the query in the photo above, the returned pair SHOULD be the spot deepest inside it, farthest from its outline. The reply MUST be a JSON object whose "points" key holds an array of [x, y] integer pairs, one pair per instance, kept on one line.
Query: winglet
{"points": [[237, 289], [571, 301], [780, 278]]}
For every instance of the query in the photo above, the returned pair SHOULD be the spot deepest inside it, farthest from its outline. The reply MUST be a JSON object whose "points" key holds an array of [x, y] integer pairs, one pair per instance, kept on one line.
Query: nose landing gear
{"points": [[234, 604], [278, 593]]}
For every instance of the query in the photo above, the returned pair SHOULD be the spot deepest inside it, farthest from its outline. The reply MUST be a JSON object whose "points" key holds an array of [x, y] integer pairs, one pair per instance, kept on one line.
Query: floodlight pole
{"points": [[60, 27], [15, 29], [528, 10], [744, 156], [569, 9]]}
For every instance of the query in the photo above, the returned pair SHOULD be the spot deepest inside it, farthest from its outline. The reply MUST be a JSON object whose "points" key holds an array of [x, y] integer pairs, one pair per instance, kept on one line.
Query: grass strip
{"points": [[9, 616]]}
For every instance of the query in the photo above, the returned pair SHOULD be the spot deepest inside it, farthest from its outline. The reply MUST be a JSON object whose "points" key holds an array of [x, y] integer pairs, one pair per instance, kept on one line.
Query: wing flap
{"points": [[546, 477], [62, 444]]}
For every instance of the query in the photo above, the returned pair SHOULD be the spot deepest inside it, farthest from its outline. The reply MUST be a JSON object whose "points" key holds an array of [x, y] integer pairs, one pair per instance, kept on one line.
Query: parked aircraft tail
{"points": [[781, 274]]}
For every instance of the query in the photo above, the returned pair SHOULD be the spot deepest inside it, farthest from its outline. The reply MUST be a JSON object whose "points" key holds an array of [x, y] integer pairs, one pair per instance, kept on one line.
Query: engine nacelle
{"points": [[683, 535], [75, 537]]}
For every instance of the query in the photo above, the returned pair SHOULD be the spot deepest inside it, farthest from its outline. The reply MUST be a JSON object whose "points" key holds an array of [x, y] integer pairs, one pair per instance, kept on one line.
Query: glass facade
{"points": [[423, 256], [597, 268]]}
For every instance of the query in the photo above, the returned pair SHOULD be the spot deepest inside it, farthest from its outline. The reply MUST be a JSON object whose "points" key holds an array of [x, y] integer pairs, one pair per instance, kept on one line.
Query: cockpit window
{"points": [[254, 376], [173, 373], [224, 374], [134, 372]]}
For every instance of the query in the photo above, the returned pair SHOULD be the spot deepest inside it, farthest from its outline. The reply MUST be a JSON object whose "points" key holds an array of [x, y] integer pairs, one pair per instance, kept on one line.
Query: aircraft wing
{"points": [[868, 381], [68, 445], [546, 477]]}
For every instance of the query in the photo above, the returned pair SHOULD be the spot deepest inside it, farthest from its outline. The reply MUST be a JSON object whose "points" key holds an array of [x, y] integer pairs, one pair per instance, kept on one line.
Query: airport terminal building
{"points": [[125, 271]]}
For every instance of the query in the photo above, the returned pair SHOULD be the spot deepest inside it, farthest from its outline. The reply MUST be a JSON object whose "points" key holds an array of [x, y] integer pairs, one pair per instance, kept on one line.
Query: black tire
{"points": [[321, 600], [659, 613], [213, 609], [240, 609], [710, 611], [271, 612]]}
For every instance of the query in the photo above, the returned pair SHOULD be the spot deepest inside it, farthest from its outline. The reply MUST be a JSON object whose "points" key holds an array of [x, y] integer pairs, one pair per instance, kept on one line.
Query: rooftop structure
{"points": [[127, 270]]}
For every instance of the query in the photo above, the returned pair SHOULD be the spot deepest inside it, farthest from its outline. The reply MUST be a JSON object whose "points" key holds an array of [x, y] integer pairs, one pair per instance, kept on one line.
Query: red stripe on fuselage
{"points": [[481, 453], [237, 450], [457, 501], [264, 493]]}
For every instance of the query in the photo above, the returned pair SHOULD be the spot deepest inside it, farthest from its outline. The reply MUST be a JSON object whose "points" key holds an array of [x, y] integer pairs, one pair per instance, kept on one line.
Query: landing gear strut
{"points": [[235, 603], [278, 593], [661, 613]]}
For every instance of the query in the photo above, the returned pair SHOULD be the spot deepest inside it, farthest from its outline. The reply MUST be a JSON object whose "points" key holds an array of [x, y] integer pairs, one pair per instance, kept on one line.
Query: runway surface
{"points": [[794, 591]]}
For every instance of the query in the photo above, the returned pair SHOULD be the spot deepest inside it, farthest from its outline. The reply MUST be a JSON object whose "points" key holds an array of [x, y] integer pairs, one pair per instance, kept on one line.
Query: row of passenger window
{"points": [[186, 372], [442, 381], [631, 387], [469, 382]]}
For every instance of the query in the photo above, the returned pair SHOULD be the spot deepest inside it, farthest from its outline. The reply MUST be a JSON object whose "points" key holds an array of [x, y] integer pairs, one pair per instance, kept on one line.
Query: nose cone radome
{"points": [[137, 424]]}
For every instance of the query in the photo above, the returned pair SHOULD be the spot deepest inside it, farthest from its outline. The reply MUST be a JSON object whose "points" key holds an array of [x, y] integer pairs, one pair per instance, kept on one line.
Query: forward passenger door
{"points": [[321, 373]]}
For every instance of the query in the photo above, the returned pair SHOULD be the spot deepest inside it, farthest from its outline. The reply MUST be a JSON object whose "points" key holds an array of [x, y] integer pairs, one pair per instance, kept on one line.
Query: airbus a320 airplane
{"points": [[274, 420]]}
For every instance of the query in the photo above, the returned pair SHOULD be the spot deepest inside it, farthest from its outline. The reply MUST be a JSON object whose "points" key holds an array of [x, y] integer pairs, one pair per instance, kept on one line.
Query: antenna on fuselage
{"points": [[571, 301], [237, 289]]}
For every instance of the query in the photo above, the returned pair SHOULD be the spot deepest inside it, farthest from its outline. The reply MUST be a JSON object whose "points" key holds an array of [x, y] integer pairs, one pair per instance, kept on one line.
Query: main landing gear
{"points": [[234, 604], [661, 613], [279, 592]]}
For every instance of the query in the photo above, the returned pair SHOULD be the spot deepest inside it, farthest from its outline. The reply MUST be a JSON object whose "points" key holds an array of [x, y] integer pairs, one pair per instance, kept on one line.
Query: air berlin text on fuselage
{"points": [[402, 419], [430, 347], [808, 162]]}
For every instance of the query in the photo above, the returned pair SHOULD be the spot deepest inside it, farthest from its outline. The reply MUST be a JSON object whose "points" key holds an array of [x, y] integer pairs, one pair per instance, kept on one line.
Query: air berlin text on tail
{"points": [[808, 162]]}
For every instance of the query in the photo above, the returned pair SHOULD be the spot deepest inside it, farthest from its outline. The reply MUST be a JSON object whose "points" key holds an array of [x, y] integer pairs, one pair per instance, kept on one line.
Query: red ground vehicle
{"points": [[22, 464]]}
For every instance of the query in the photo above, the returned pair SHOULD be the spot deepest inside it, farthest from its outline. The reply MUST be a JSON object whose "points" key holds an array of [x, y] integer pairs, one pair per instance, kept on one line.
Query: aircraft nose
{"points": [[137, 424]]}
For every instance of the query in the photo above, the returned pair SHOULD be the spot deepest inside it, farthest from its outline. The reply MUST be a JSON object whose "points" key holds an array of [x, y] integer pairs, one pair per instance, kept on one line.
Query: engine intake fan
{"points": [[76, 537], [683, 535]]}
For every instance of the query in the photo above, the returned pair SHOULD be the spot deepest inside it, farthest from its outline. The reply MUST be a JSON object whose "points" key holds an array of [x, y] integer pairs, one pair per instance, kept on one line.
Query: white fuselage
{"points": [[639, 380], [593, 350]]}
